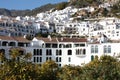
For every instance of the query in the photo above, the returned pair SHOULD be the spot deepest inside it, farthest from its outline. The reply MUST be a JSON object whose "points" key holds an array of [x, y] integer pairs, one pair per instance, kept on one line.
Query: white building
{"points": [[16, 28], [64, 51]]}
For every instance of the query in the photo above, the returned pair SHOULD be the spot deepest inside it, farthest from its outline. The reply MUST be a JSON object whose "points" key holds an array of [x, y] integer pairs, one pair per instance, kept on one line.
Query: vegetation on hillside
{"points": [[19, 68], [84, 3], [115, 10], [101, 12], [61, 6]]}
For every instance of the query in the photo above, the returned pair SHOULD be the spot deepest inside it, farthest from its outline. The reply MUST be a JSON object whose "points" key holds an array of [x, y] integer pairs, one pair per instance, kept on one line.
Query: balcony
{"points": [[81, 55]]}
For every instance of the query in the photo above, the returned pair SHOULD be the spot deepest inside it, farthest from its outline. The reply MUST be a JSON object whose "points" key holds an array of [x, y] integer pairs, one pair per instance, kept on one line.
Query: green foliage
{"points": [[103, 68], [84, 3], [42, 34], [49, 71], [115, 10], [70, 73], [62, 5]]}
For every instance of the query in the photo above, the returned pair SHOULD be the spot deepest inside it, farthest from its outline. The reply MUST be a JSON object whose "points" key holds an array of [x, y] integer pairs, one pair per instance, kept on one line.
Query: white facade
{"points": [[64, 51]]}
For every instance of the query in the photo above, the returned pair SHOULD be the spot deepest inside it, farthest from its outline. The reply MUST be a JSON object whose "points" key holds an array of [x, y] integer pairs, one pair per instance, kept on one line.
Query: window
{"points": [[34, 51], [48, 58], [109, 49], [92, 49], [77, 51], [37, 59], [48, 52], [40, 52], [92, 58], [69, 52], [40, 59], [84, 51], [96, 49], [60, 45], [48, 45], [59, 65], [54, 45], [69, 59], [105, 49], [37, 52], [59, 52], [58, 59], [82, 45], [34, 59]]}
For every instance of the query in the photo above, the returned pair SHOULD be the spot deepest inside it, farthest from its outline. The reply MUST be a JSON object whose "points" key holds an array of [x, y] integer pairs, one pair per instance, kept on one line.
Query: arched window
{"points": [[34, 52], [4, 43], [12, 44], [60, 45], [92, 58], [50, 52], [47, 52], [40, 51], [92, 49], [96, 49], [109, 49], [60, 52], [84, 51], [76, 51], [56, 52], [81, 51], [69, 52], [37, 51], [105, 49]]}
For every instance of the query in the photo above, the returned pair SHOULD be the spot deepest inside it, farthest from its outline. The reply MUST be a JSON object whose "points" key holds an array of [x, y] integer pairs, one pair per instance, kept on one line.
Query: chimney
{"points": [[25, 36], [9, 34], [49, 37], [61, 39]]}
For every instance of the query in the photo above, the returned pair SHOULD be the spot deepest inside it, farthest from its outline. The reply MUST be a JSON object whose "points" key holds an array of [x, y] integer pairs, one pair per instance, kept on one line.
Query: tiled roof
{"points": [[72, 40], [54, 40], [47, 40], [21, 39], [6, 38]]}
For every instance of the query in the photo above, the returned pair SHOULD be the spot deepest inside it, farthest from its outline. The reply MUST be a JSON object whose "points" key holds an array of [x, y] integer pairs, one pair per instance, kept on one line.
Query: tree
{"points": [[70, 72], [105, 68], [49, 70]]}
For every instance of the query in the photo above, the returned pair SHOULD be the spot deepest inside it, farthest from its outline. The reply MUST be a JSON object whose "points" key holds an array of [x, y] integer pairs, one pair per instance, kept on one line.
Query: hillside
{"points": [[15, 13], [113, 10]]}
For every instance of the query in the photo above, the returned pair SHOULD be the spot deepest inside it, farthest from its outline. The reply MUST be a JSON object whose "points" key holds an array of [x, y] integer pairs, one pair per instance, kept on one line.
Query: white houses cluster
{"points": [[12, 27], [102, 36]]}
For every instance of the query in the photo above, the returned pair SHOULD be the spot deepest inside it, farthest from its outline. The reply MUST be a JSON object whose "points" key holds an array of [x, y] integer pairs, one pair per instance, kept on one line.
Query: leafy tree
{"points": [[49, 70], [61, 6], [105, 68], [70, 72]]}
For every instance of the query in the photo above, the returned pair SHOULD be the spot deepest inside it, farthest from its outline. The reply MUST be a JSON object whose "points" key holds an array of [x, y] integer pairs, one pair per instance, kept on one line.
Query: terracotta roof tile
{"points": [[72, 40], [47, 40], [55, 40], [21, 39], [6, 38]]}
